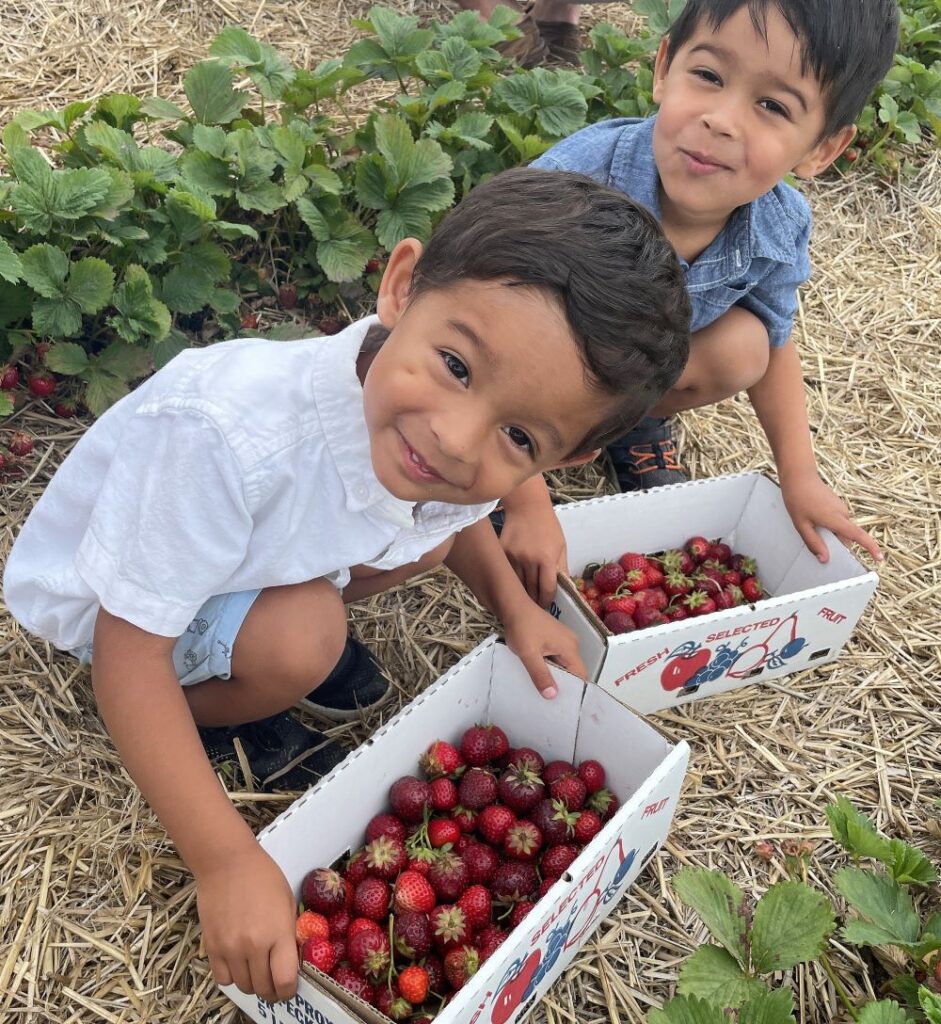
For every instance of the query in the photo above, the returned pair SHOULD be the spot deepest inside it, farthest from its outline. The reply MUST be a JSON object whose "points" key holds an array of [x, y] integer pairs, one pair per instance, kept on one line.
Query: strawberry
{"points": [[481, 861], [64, 410], [368, 953], [20, 444], [10, 378], [477, 789], [557, 770], [475, 745], [249, 322], [339, 949], [448, 876], [287, 296], [604, 802], [409, 797], [499, 744], [443, 832], [385, 858], [736, 594], [677, 613], [515, 880], [523, 840], [361, 924], [323, 890], [655, 598], [592, 774], [320, 953], [699, 603], [595, 606], [330, 325], [420, 861], [476, 903], [570, 790], [441, 759], [465, 818], [723, 600], [340, 924], [42, 384], [635, 580], [311, 925], [654, 576], [720, 552], [449, 925], [371, 899], [412, 934], [434, 965], [587, 827], [489, 940], [520, 789], [413, 892], [493, 823], [676, 560], [385, 824], [356, 869], [461, 964], [744, 565], [675, 584], [752, 589], [371, 267], [851, 155], [619, 622], [393, 1005], [697, 548], [647, 617], [413, 984], [731, 578], [355, 983], [619, 603], [554, 820], [443, 794], [519, 912], [556, 860], [609, 577], [632, 560]]}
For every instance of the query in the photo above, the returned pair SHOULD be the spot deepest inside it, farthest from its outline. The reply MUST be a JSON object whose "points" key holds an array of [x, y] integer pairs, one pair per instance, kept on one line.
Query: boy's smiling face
{"points": [[736, 114], [478, 387]]}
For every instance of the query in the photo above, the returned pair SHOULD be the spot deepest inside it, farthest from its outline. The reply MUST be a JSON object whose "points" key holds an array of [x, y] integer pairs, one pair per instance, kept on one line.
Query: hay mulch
{"points": [[97, 914]]}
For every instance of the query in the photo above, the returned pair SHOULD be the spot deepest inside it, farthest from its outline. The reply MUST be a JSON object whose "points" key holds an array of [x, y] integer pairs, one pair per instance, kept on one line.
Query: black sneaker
{"points": [[646, 457], [356, 684], [282, 753]]}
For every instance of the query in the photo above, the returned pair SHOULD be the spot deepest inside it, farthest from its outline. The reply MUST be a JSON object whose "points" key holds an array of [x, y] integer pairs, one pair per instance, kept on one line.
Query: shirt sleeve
{"points": [[774, 298], [170, 524], [589, 151]]}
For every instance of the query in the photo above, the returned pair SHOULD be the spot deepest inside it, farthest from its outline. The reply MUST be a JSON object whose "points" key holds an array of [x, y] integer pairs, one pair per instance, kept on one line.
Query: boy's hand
{"points": [[247, 912], [534, 635], [535, 547], [811, 504]]}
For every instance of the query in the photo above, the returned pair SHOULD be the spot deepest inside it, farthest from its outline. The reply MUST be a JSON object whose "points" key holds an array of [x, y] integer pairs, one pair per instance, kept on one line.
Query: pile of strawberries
{"points": [[640, 591], [459, 859]]}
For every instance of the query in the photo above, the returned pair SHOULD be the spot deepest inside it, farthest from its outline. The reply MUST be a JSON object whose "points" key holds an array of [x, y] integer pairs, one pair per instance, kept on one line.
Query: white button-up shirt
{"points": [[238, 466]]}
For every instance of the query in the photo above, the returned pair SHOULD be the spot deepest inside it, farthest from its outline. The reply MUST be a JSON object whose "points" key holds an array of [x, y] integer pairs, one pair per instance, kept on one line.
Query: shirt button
{"points": [[361, 491]]}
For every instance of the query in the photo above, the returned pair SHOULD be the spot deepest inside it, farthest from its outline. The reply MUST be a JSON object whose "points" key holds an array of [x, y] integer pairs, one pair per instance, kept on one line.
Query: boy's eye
{"points": [[773, 107], [456, 367], [707, 76], [520, 439]]}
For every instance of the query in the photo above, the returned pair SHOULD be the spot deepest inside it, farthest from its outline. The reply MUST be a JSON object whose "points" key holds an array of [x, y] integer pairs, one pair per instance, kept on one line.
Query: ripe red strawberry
{"points": [[441, 759], [587, 827], [330, 325], [619, 622], [371, 899], [464, 843], [676, 584], [412, 934], [434, 965], [443, 832], [413, 892], [409, 797], [677, 560], [556, 860], [499, 744], [361, 924], [592, 774], [368, 953], [287, 296], [723, 600], [647, 617], [371, 267], [520, 788], [557, 770], [554, 820], [604, 802], [385, 824], [340, 924], [20, 444], [704, 607], [677, 613], [320, 953], [64, 410], [570, 790], [477, 789], [515, 880], [323, 890], [448, 876], [632, 560], [494, 822], [339, 949], [311, 925], [477, 904], [752, 588], [475, 745], [624, 603], [595, 606], [731, 578], [519, 912], [698, 548], [385, 858], [465, 817], [356, 869], [354, 983], [443, 794], [523, 840], [420, 861], [481, 861], [390, 1003], [489, 940], [655, 597], [413, 984], [744, 565], [720, 552], [654, 576], [461, 964], [609, 577], [249, 322], [42, 384], [449, 925], [10, 378], [635, 580]]}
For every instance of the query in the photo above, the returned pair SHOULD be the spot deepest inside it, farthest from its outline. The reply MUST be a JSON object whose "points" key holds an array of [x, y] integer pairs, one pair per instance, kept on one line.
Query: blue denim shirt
{"points": [[757, 261]]}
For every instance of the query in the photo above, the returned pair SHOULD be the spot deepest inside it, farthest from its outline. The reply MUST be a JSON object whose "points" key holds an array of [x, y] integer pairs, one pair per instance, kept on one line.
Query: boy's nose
{"points": [[721, 119], [458, 436]]}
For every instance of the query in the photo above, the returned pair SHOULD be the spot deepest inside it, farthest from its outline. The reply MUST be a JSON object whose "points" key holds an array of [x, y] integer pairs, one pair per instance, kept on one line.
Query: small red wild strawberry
{"points": [[330, 325], [9, 379], [287, 296], [64, 410], [20, 444], [249, 322], [372, 266], [42, 384]]}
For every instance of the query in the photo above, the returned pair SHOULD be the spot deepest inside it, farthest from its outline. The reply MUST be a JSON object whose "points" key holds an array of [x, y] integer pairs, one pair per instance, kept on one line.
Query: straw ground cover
{"points": [[97, 915]]}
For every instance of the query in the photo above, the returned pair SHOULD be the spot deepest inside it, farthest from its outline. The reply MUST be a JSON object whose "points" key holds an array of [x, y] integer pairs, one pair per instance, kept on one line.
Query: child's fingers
{"points": [[538, 670], [284, 968], [260, 967], [813, 540], [547, 584], [851, 533]]}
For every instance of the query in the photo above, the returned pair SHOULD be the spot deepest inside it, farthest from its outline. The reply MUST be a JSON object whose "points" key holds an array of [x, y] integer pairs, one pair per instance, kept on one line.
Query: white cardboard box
{"points": [[490, 684], [805, 623]]}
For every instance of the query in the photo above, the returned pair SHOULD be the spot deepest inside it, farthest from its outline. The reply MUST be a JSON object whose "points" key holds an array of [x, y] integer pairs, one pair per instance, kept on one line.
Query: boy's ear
{"points": [[825, 152], [396, 285], [578, 460], [660, 68]]}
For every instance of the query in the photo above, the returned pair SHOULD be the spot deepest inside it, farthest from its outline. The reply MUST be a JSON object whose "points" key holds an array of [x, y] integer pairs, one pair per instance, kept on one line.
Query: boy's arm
{"points": [[778, 400], [532, 633], [533, 540], [245, 904]]}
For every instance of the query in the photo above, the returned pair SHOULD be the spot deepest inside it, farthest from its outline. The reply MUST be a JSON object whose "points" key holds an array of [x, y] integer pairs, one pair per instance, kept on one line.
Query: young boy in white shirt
{"points": [[209, 527]]}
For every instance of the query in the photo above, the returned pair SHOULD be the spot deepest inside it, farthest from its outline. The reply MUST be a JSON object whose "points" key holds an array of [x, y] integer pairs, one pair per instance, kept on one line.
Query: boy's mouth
{"points": [[415, 466], [702, 163]]}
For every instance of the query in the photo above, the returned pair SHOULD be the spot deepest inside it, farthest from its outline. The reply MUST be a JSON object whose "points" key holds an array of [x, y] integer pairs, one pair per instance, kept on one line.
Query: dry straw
{"points": [[97, 914]]}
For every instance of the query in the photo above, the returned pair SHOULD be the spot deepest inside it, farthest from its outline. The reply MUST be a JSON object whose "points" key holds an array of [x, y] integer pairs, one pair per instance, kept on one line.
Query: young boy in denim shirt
{"points": [[749, 91], [209, 527]]}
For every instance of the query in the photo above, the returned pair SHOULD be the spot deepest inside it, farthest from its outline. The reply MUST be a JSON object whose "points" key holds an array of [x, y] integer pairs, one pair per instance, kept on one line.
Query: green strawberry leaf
{"points": [[161, 109], [880, 900], [6, 404], [688, 1010], [56, 318], [790, 926], [775, 1007], [719, 903], [67, 357], [90, 284], [44, 268], [930, 1003], [208, 87], [712, 973], [125, 361], [886, 1011], [11, 269], [102, 390], [139, 314], [270, 72], [908, 865]]}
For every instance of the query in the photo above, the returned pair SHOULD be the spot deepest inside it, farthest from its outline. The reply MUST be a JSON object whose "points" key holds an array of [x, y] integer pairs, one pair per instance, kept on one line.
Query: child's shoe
{"points": [[646, 457], [355, 684], [282, 753], [530, 49], [563, 40]]}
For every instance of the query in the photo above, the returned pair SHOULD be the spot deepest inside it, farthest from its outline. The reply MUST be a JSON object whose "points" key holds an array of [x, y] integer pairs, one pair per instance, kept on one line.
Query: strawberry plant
{"points": [[793, 922]]}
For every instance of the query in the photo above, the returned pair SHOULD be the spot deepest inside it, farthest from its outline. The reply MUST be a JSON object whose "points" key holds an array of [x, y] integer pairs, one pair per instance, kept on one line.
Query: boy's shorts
{"points": [[204, 651]]}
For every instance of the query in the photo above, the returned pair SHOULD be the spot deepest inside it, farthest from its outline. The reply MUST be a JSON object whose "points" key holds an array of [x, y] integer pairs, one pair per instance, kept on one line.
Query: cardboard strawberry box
{"points": [[490, 684], [806, 622]]}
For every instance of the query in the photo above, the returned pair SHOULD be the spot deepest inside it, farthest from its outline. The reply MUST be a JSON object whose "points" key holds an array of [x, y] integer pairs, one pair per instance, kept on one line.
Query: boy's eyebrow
{"points": [[776, 83]]}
